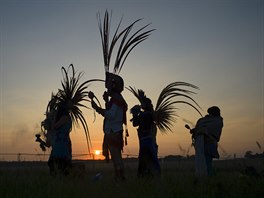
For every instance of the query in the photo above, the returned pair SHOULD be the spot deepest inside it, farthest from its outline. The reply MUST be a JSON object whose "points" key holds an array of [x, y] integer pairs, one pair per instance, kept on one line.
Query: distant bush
{"points": [[250, 155]]}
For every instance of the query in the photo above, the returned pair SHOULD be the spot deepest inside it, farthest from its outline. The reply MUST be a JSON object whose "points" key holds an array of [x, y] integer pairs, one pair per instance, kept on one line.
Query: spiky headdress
{"points": [[126, 41], [165, 110], [71, 96]]}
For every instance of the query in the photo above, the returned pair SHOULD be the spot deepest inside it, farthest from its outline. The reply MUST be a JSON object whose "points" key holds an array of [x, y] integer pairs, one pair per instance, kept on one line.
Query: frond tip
{"points": [[138, 93]]}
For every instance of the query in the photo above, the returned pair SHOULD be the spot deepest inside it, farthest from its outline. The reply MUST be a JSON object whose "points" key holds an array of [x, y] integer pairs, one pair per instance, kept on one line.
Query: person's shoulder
{"points": [[219, 119], [202, 119]]}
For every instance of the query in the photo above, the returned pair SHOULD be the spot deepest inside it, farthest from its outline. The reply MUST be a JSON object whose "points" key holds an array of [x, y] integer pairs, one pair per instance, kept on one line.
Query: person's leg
{"points": [[200, 161], [150, 156], [209, 165], [140, 171], [51, 166], [156, 165], [105, 149], [116, 157], [153, 157]]}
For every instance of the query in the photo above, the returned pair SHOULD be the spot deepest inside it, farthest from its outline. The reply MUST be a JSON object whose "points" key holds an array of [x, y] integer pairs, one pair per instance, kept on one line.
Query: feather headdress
{"points": [[165, 110], [71, 96], [127, 41]]}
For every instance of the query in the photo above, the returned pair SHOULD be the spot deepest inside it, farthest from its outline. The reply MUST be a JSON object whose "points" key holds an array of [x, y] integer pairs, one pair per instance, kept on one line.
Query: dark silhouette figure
{"points": [[120, 45], [62, 111], [114, 118], [206, 136], [161, 117], [61, 153], [148, 164]]}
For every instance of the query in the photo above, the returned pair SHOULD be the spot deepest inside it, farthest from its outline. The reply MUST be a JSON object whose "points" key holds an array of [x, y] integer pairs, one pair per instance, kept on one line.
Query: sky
{"points": [[216, 45]]}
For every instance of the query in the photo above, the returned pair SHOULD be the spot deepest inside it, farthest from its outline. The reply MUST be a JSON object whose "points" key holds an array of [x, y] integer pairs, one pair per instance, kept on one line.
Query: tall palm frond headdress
{"points": [[71, 96], [126, 41], [165, 110]]}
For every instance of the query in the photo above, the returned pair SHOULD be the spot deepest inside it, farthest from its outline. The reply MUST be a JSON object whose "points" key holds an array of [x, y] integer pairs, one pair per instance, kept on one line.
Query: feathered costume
{"points": [[115, 84], [162, 117], [165, 110], [69, 99], [126, 42]]}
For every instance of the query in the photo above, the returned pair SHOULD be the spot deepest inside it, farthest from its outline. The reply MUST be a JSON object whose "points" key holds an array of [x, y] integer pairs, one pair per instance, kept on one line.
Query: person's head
{"points": [[114, 83], [146, 104], [135, 110], [62, 109], [214, 111]]}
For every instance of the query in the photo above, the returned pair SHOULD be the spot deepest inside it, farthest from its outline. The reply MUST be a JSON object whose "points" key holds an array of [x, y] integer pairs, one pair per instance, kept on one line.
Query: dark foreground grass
{"points": [[32, 180]]}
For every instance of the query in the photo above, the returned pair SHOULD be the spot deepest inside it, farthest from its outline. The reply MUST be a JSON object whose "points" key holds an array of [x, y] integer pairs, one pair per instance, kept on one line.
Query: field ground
{"points": [[32, 179]]}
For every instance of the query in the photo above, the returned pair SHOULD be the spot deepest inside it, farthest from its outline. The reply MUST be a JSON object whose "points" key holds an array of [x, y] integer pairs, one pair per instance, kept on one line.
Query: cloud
{"points": [[22, 136]]}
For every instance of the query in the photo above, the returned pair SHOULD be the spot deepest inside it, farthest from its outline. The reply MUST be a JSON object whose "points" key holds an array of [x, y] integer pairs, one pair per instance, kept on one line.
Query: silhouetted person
{"points": [[148, 164], [105, 146], [206, 134], [114, 118], [61, 153]]}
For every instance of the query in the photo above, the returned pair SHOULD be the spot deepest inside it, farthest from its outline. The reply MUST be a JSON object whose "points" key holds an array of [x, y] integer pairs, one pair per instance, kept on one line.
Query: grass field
{"points": [[31, 179]]}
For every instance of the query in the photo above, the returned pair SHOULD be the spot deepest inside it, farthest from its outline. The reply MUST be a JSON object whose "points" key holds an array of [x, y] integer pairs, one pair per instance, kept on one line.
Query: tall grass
{"points": [[33, 180]]}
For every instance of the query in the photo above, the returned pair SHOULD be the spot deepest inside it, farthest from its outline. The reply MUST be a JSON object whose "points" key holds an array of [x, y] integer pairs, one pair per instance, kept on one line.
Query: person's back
{"points": [[214, 127], [144, 122], [210, 126], [61, 153], [207, 134]]}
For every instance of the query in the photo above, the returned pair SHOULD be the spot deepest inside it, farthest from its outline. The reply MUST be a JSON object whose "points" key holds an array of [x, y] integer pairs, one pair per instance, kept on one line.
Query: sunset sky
{"points": [[214, 44]]}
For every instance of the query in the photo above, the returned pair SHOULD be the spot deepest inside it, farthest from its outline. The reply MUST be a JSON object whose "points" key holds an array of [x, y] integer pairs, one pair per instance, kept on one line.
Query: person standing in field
{"points": [[148, 164], [114, 118], [61, 153], [206, 134], [161, 118], [64, 110], [105, 148]]}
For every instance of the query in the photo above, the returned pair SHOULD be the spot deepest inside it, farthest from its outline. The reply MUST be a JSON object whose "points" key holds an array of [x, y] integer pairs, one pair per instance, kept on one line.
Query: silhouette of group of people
{"points": [[115, 116], [206, 133]]}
